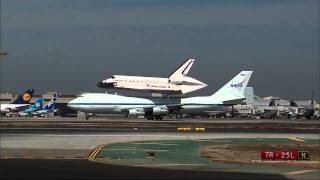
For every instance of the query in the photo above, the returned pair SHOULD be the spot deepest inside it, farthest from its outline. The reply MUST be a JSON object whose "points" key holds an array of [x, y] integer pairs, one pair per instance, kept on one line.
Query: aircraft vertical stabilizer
{"points": [[24, 98], [234, 90]]}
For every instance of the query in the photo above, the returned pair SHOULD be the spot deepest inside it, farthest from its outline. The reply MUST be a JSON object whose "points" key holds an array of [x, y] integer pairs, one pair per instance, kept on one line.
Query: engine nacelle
{"points": [[136, 112], [160, 110]]}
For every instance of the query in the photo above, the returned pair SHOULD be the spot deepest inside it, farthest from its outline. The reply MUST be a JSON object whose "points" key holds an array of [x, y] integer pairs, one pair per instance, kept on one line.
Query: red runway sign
{"points": [[284, 155]]}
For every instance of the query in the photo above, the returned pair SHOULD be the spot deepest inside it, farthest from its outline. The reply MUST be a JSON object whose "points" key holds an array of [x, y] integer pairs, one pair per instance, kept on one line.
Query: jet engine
{"points": [[160, 110], [136, 112]]}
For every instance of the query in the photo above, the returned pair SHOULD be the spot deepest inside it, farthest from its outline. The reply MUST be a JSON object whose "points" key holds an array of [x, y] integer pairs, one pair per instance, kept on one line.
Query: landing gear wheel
{"points": [[150, 117], [158, 117]]}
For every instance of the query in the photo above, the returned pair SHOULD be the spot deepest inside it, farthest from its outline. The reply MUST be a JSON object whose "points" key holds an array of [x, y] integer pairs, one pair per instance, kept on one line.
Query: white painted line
{"points": [[162, 144], [155, 150], [299, 172], [157, 165], [296, 139], [208, 140]]}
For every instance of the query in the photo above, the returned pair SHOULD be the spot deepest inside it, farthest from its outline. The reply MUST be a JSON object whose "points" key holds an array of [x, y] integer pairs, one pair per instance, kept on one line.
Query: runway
{"points": [[70, 141], [34, 125]]}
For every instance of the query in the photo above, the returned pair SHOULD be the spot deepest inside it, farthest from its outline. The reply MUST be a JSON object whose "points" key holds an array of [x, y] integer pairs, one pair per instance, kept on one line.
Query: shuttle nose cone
{"points": [[101, 84], [106, 84]]}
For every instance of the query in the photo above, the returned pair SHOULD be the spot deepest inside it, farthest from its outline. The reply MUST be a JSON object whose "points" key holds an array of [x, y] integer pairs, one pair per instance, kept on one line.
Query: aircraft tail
{"points": [[234, 91], [182, 70], [24, 98], [51, 104], [38, 104]]}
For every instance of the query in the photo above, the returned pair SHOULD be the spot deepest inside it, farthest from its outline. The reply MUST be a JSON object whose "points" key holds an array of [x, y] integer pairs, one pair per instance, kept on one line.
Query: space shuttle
{"points": [[177, 83]]}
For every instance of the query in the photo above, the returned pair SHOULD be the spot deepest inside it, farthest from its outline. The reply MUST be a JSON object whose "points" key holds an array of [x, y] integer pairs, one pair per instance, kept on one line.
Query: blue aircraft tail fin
{"points": [[38, 104], [51, 104], [24, 98]]}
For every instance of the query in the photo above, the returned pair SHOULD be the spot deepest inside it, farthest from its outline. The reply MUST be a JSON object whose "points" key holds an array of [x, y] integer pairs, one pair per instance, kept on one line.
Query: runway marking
{"points": [[159, 165], [38, 157], [208, 140], [296, 139], [99, 135], [299, 172], [162, 144], [95, 152], [155, 150]]}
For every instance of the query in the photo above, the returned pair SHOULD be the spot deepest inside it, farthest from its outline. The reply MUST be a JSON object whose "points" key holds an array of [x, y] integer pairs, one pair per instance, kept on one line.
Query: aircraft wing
{"points": [[234, 101]]}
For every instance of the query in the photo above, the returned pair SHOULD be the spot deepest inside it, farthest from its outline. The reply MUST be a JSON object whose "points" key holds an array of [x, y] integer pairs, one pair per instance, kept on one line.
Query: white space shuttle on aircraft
{"points": [[177, 83], [231, 93]]}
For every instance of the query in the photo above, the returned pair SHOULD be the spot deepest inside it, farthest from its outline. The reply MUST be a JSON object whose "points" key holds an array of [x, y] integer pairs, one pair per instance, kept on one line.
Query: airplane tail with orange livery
{"points": [[24, 98]]}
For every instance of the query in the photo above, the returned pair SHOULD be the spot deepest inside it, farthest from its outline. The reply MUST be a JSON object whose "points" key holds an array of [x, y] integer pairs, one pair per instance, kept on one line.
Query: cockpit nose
{"points": [[107, 83], [74, 104], [70, 104]]}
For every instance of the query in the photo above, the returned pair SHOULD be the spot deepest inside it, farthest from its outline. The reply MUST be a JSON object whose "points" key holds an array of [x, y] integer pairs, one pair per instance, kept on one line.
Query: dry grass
{"points": [[251, 153]]}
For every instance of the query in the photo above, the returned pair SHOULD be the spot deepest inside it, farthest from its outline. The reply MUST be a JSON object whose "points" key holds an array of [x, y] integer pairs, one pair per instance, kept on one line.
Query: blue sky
{"points": [[70, 45]]}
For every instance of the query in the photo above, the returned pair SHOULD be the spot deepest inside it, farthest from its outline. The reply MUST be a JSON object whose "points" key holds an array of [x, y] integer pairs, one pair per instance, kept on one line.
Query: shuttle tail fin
{"points": [[182, 70], [234, 91], [24, 98]]}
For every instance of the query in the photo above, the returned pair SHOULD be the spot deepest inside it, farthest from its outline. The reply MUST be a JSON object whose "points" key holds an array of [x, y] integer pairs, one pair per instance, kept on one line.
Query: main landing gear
{"points": [[156, 117], [88, 115]]}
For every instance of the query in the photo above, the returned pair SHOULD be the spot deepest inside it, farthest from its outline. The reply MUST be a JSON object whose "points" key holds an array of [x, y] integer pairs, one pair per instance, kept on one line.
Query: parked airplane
{"points": [[21, 103], [304, 108], [35, 107], [177, 83], [156, 108], [49, 108]]}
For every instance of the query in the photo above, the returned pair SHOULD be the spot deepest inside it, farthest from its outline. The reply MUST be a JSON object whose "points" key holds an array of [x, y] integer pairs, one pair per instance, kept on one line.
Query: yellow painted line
{"points": [[184, 128], [155, 150], [296, 139], [95, 152], [200, 129], [158, 165], [299, 172], [38, 157]]}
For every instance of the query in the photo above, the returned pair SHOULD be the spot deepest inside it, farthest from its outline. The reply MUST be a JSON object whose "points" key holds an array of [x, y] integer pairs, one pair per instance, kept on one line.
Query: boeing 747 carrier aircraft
{"points": [[156, 108], [177, 83]]}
